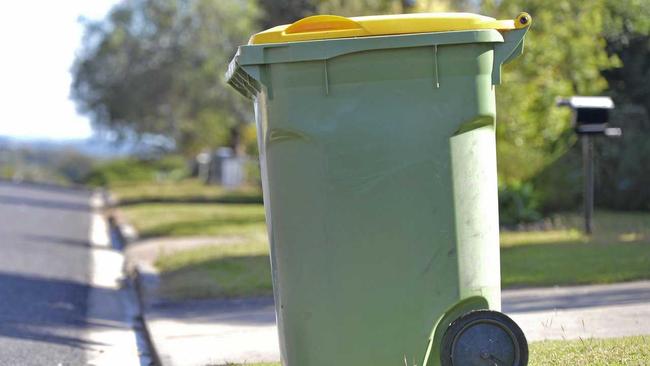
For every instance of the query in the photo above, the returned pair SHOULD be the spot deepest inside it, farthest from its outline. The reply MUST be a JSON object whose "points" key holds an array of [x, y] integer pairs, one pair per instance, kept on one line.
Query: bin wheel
{"points": [[484, 338]]}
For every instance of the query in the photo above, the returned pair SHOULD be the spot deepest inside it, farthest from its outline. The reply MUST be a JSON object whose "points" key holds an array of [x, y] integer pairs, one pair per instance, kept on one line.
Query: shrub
{"points": [[518, 203], [132, 170]]}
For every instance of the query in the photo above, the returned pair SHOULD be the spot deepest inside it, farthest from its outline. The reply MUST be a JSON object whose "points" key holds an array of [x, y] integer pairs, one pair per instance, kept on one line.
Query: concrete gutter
{"points": [[121, 234]]}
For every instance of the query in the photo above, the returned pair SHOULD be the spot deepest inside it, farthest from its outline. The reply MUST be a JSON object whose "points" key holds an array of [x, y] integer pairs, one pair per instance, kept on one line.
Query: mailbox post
{"points": [[590, 118]]}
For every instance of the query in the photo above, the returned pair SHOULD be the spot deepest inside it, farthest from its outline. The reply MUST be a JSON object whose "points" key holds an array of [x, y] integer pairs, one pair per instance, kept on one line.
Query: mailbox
{"points": [[591, 115], [590, 118]]}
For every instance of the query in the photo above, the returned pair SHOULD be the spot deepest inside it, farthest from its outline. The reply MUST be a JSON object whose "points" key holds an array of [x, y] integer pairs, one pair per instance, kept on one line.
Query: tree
{"points": [[374, 7], [623, 177], [277, 12], [564, 55], [157, 66], [287, 11]]}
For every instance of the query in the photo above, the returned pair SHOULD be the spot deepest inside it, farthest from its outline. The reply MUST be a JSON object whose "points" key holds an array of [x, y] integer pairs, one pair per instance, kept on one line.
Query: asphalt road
{"points": [[45, 276]]}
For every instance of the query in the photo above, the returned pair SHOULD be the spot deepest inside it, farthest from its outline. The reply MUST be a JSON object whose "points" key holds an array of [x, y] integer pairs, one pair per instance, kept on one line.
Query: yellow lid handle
{"points": [[320, 23], [523, 20]]}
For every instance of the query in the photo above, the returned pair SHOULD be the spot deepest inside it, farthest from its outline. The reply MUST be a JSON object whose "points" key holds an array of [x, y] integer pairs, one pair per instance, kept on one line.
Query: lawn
{"points": [[618, 251], [185, 191], [629, 351], [229, 270], [187, 219]]}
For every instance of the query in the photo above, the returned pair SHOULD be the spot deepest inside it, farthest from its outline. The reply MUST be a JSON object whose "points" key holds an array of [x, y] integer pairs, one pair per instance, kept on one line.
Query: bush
{"points": [[133, 170], [559, 186], [621, 169], [622, 174], [518, 203]]}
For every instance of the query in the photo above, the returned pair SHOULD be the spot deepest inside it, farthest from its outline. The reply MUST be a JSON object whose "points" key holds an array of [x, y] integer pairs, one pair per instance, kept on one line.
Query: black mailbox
{"points": [[591, 115]]}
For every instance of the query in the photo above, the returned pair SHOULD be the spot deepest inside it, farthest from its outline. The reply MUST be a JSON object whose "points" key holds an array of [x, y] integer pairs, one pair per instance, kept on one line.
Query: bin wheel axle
{"points": [[484, 338]]}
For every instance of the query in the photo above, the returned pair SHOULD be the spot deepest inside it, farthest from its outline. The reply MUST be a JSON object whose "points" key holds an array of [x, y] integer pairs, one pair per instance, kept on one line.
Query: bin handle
{"points": [[512, 46], [321, 23]]}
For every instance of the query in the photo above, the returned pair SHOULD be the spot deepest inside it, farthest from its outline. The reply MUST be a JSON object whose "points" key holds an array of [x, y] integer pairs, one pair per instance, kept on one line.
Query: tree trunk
{"points": [[408, 5], [236, 140]]}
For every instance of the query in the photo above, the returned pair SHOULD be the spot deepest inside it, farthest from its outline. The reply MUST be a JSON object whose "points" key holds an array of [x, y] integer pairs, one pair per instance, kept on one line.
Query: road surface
{"points": [[61, 302]]}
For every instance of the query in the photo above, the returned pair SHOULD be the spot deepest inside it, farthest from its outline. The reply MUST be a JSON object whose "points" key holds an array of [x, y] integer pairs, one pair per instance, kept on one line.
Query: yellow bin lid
{"points": [[333, 26]]}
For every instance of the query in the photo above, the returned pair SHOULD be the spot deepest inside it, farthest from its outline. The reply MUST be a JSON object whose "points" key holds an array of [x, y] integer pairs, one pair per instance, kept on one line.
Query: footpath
{"points": [[223, 332]]}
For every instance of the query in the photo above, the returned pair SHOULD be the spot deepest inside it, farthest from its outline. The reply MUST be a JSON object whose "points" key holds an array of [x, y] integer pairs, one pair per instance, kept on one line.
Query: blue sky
{"points": [[38, 41]]}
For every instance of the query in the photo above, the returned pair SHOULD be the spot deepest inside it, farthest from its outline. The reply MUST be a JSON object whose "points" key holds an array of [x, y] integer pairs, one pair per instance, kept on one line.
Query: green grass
{"points": [[553, 264], [185, 191], [629, 351], [618, 251], [160, 219], [229, 270]]}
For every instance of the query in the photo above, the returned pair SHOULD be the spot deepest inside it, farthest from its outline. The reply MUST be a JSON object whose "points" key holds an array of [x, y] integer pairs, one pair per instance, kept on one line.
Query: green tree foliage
{"points": [[277, 12], [359, 7], [287, 11], [623, 175], [156, 67], [564, 55], [373, 7], [133, 170]]}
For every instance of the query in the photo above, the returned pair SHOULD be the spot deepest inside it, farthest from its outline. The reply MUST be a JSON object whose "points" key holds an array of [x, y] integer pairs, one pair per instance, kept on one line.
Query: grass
{"points": [[160, 219], [185, 191], [229, 270], [553, 264], [618, 251], [629, 351], [557, 257]]}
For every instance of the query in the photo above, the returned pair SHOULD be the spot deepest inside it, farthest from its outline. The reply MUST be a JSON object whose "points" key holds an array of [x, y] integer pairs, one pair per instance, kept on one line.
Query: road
{"points": [[581, 312], [61, 302]]}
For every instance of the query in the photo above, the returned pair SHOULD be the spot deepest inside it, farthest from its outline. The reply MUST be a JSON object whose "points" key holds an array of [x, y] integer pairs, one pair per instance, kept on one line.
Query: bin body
{"points": [[379, 176]]}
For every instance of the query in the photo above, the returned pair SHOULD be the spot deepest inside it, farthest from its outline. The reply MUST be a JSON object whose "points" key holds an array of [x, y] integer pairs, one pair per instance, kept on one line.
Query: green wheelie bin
{"points": [[377, 151]]}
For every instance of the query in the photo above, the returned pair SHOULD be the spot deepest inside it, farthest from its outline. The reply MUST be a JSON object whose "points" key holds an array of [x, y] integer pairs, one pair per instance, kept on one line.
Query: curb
{"points": [[119, 240], [136, 278]]}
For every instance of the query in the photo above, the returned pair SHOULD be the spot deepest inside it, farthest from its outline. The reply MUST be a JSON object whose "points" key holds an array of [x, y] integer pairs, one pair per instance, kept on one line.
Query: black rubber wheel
{"points": [[484, 338]]}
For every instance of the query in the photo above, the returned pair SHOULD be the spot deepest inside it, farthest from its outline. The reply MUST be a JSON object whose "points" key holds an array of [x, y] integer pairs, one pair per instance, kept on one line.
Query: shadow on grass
{"points": [[209, 226], [223, 277], [227, 199]]}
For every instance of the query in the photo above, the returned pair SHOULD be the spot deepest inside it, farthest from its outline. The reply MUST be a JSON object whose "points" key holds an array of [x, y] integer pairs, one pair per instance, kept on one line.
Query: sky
{"points": [[38, 41]]}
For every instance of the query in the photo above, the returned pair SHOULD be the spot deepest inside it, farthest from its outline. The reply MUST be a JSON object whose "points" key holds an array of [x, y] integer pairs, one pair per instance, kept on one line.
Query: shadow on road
{"points": [[44, 203], [254, 311], [46, 310], [529, 300], [53, 239]]}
